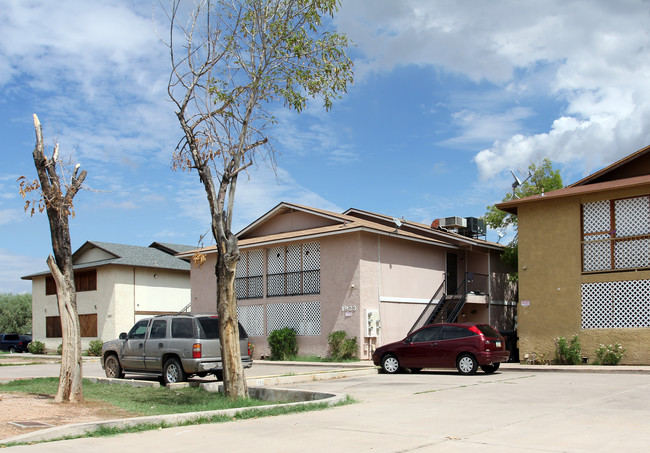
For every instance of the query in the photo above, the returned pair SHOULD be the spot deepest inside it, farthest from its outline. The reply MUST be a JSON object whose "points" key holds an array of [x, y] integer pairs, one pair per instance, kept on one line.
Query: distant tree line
{"points": [[15, 313]]}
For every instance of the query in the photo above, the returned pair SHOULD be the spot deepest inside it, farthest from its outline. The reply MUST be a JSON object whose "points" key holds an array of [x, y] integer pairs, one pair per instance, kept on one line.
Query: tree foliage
{"points": [[543, 178], [237, 61], [16, 313]]}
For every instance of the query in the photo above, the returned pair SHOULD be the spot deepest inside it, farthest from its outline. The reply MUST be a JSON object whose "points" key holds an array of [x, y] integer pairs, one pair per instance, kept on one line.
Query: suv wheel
{"points": [[489, 369], [467, 364], [173, 371], [112, 367]]}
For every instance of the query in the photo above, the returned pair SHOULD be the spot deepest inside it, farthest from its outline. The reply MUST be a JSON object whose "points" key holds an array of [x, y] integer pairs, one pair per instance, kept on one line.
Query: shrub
{"points": [[59, 349], [568, 352], [609, 355], [95, 348], [36, 347], [283, 344], [341, 348]]}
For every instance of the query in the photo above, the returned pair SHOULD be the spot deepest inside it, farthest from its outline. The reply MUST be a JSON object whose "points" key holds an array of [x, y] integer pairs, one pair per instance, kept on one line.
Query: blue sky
{"points": [[449, 96]]}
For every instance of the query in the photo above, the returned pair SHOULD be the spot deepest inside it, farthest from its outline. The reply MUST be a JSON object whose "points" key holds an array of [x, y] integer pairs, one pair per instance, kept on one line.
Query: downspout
{"points": [[489, 288], [134, 304]]}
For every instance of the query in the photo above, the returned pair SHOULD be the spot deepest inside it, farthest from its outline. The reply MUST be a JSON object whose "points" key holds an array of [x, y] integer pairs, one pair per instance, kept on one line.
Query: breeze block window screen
{"points": [[303, 317], [616, 234], [611, 305]]}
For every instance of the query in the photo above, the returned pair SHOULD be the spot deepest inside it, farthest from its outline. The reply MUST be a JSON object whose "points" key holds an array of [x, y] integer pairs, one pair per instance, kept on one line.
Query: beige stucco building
{"points": [[366, 274], [584, 263], [116, 285]]}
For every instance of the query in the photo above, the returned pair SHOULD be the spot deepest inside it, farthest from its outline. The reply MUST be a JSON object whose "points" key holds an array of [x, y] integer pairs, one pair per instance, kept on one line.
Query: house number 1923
{"points": [[349, 308]]}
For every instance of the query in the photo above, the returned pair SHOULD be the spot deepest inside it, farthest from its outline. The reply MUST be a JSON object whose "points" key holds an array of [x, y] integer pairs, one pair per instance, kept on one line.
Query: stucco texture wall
{"points": [[551, 278]]}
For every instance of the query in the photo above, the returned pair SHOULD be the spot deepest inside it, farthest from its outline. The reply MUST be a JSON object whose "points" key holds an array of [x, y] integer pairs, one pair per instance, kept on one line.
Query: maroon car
{"points": [[465, 346]]}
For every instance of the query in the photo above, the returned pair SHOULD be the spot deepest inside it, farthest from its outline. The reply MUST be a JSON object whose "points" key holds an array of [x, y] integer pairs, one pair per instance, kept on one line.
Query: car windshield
{"points": [[488, 331]]}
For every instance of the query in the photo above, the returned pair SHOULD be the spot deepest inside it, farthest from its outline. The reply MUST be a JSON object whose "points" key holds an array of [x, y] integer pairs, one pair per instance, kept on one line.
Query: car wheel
{"points": [[467, 364], [112, 367], [390, 364], [173, 371], [489, 369], [415, 370]]}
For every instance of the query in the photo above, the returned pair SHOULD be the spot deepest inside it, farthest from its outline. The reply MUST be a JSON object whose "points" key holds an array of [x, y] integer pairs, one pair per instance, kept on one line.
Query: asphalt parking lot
{"points": [[514, 410]]}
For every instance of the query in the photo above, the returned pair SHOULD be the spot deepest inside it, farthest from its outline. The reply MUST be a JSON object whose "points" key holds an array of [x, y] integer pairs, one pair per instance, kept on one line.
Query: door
{"points": [[155, 345], [452, 273], [419, 349], [133, 349]]}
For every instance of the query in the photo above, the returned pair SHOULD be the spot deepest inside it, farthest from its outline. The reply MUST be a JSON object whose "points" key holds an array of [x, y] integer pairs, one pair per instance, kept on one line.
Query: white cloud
{"points": [[593, 56]]}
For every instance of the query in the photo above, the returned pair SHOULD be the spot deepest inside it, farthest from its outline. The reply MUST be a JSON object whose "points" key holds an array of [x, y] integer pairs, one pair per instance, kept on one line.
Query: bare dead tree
{"points": [[237, 59], [50, 187]]}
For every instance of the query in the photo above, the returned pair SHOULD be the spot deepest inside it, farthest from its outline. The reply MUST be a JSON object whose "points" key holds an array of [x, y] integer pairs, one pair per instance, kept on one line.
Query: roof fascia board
{"points": [[279, 207], [611, 167]]}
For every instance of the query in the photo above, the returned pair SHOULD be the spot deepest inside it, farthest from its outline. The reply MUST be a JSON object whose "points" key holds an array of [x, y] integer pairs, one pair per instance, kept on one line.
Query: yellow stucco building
{"points": [[584, 263]]}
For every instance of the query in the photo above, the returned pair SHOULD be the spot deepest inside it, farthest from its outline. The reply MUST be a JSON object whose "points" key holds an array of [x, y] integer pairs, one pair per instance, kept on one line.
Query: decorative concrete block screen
{"points": [[303, 317], [609, 305], [252, 318], [616, 234], [248, 276], [293, 270]]}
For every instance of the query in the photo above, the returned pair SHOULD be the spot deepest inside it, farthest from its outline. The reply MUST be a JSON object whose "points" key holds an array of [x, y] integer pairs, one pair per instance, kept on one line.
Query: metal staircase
{"points": [[442, 307]]}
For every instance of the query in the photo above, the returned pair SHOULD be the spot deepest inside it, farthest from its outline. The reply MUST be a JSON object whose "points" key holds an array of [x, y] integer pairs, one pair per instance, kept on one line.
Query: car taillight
{"points": [[196, 351], [249, 349]]}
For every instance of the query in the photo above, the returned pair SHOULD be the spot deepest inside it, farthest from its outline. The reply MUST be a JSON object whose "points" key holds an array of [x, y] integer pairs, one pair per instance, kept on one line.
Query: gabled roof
{"points": [[631, 171], [636, 164], [157, 256], [346, 223]]}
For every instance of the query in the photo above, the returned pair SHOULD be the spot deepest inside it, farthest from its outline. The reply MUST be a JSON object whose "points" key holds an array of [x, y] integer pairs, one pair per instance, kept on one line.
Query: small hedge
{"points": [[36, 347], [342, 348], [95, 348], [283, 344]]}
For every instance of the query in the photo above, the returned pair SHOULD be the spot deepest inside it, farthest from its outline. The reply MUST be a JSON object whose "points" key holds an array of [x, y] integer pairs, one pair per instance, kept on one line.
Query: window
{"points": [[293, 270], [616, 234], [158, 329], [451, 332], [88, 324], [182, 328], [616, 305], [427, 334], [248, 277], [83, 281], [139, 330]]}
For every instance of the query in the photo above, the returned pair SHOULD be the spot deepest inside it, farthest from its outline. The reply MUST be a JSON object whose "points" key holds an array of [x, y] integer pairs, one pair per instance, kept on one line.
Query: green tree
{"points": [[16, 313], [235, 62], [543, 178]]}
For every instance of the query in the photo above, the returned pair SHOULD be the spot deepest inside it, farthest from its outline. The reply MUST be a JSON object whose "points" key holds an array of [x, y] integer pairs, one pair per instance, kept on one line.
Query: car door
{"points": [[155, 345], [133, 348], [454, 340], [418, 350]]}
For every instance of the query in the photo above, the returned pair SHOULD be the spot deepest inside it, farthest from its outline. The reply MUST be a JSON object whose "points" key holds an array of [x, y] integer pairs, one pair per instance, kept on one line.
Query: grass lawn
{"points": [[138, 400]]}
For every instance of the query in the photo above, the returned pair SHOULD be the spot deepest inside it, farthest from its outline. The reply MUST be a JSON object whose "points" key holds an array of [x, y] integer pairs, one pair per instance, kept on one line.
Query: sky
{"points": [[448, 98]]}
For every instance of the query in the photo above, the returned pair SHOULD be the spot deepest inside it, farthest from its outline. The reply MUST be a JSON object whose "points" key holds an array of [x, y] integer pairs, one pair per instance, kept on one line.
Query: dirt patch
{"points": [[21, 407]]}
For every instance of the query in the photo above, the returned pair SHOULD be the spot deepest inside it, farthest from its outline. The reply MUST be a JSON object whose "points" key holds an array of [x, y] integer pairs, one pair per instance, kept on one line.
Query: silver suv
{"points": [[172, 346]]}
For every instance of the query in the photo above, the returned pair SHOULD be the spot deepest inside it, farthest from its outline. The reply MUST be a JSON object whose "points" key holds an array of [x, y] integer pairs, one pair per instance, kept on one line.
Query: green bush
{"points": [[341, 348], [36, 347], [283, 344], [59, 349], [95, 348], [568, 352], [609, 355]]}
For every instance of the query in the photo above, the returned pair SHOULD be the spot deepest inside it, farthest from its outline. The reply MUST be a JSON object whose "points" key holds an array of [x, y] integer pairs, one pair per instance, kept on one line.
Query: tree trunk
{"points": [[71, 374], [233, 370]]}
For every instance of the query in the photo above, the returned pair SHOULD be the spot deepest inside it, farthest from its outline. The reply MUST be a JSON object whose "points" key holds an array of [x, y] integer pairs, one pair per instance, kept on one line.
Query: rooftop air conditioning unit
{"points": [[476, 226], [453, 222]]}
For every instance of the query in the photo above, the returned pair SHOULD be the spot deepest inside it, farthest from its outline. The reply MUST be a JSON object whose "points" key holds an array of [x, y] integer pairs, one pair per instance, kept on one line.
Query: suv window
{"points": [[11, 337], [209, 327], [158, 329], [451, 332], [139, 330], [182, 328]]}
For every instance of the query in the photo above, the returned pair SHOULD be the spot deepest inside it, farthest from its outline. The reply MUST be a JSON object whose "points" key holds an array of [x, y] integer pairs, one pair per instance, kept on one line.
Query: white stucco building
{"points": [[116, 285]]}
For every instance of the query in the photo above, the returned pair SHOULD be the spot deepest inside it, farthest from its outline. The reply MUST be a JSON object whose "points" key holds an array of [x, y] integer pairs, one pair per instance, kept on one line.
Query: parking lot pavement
{"points": [[514, 410]]}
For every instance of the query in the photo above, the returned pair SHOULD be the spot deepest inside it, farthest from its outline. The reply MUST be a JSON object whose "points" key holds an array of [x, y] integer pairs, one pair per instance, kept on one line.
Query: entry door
{"points": [[452, 273]]}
